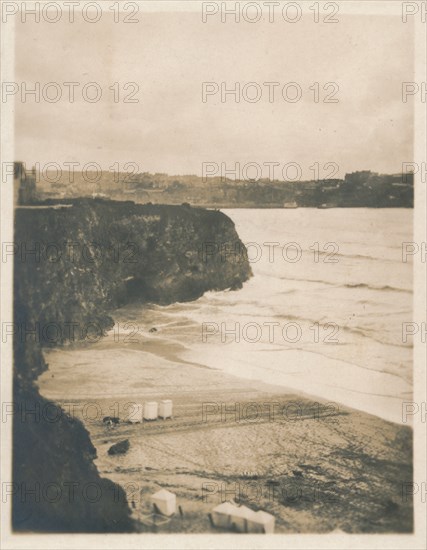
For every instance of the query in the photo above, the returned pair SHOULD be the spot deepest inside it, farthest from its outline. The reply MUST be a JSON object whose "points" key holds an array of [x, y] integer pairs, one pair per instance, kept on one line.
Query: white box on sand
{"points": [[221, 514], [135, 413], [165, 408], [165, 502], [261, 522], [240, 518], [150, 410]]}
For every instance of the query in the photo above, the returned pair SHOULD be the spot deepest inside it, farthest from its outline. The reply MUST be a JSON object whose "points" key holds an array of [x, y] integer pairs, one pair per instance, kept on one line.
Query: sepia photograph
{"points": [[213, 287]]}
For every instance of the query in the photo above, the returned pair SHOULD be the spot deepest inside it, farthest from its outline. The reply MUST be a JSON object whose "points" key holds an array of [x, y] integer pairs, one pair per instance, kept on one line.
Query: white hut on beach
{"points": [[221, 514], [135, 413], [151, 410], [261, 522], [240, 518], [165, 408], [165, 502]]}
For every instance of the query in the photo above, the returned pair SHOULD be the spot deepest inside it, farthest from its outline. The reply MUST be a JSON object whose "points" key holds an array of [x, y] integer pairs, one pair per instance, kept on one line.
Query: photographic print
{"points": [[213, 274]]}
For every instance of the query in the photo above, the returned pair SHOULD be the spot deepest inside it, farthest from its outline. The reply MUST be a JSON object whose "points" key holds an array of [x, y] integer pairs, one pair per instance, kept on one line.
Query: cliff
{"points": [[73, 265]]}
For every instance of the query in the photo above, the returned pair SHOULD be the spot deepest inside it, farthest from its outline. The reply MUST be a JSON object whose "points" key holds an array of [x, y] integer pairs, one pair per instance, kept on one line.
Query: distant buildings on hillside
{"points": [[358, 189]]}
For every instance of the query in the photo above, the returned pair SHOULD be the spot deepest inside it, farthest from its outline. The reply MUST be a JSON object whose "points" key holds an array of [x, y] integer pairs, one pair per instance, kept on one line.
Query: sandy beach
{"points": [[317, 467]]}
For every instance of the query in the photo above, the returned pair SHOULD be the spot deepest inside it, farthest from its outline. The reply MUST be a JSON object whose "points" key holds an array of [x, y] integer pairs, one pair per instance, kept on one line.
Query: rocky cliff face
{"points": [[72, 267]]}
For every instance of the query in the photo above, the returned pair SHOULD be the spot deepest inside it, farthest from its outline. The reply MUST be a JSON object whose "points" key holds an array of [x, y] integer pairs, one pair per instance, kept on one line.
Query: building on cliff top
{"points": [[24, 185]]}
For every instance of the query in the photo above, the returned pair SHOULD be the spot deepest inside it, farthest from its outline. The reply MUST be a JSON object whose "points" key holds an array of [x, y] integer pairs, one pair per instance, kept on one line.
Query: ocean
{"points": [[322, 314]]}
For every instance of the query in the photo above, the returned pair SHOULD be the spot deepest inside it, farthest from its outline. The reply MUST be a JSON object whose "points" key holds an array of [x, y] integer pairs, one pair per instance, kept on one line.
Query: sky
{"points": [[170, 129]]}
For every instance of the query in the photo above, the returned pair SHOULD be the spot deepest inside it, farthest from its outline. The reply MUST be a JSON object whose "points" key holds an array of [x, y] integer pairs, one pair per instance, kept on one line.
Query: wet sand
{"points": [[317, 467]]}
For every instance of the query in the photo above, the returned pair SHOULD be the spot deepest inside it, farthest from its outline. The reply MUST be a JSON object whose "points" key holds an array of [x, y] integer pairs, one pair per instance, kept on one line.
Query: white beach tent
{"points": [[165, 408], [135, 413], [261, 522], [150, 410], [240, 518], [221, 514], [165, 502]]}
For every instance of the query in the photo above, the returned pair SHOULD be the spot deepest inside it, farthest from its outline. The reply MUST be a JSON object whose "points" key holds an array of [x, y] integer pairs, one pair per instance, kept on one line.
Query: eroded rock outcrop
{"points": [[73, 266]]}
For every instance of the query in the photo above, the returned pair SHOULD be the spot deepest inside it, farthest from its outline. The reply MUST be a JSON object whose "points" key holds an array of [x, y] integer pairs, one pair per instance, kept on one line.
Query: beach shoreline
{"points": [[317, 467]]}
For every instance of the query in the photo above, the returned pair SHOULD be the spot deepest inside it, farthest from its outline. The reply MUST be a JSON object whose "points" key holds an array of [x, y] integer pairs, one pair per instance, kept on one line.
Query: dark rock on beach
{"points": [[119, 448]]}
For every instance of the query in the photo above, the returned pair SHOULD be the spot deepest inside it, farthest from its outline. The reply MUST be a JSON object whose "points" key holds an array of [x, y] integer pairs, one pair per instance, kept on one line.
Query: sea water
{"points": [[323, 314]]}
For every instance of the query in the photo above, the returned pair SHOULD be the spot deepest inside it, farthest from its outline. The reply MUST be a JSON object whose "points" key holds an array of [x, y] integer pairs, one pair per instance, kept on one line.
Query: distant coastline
{"points": [[361, 189]]}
